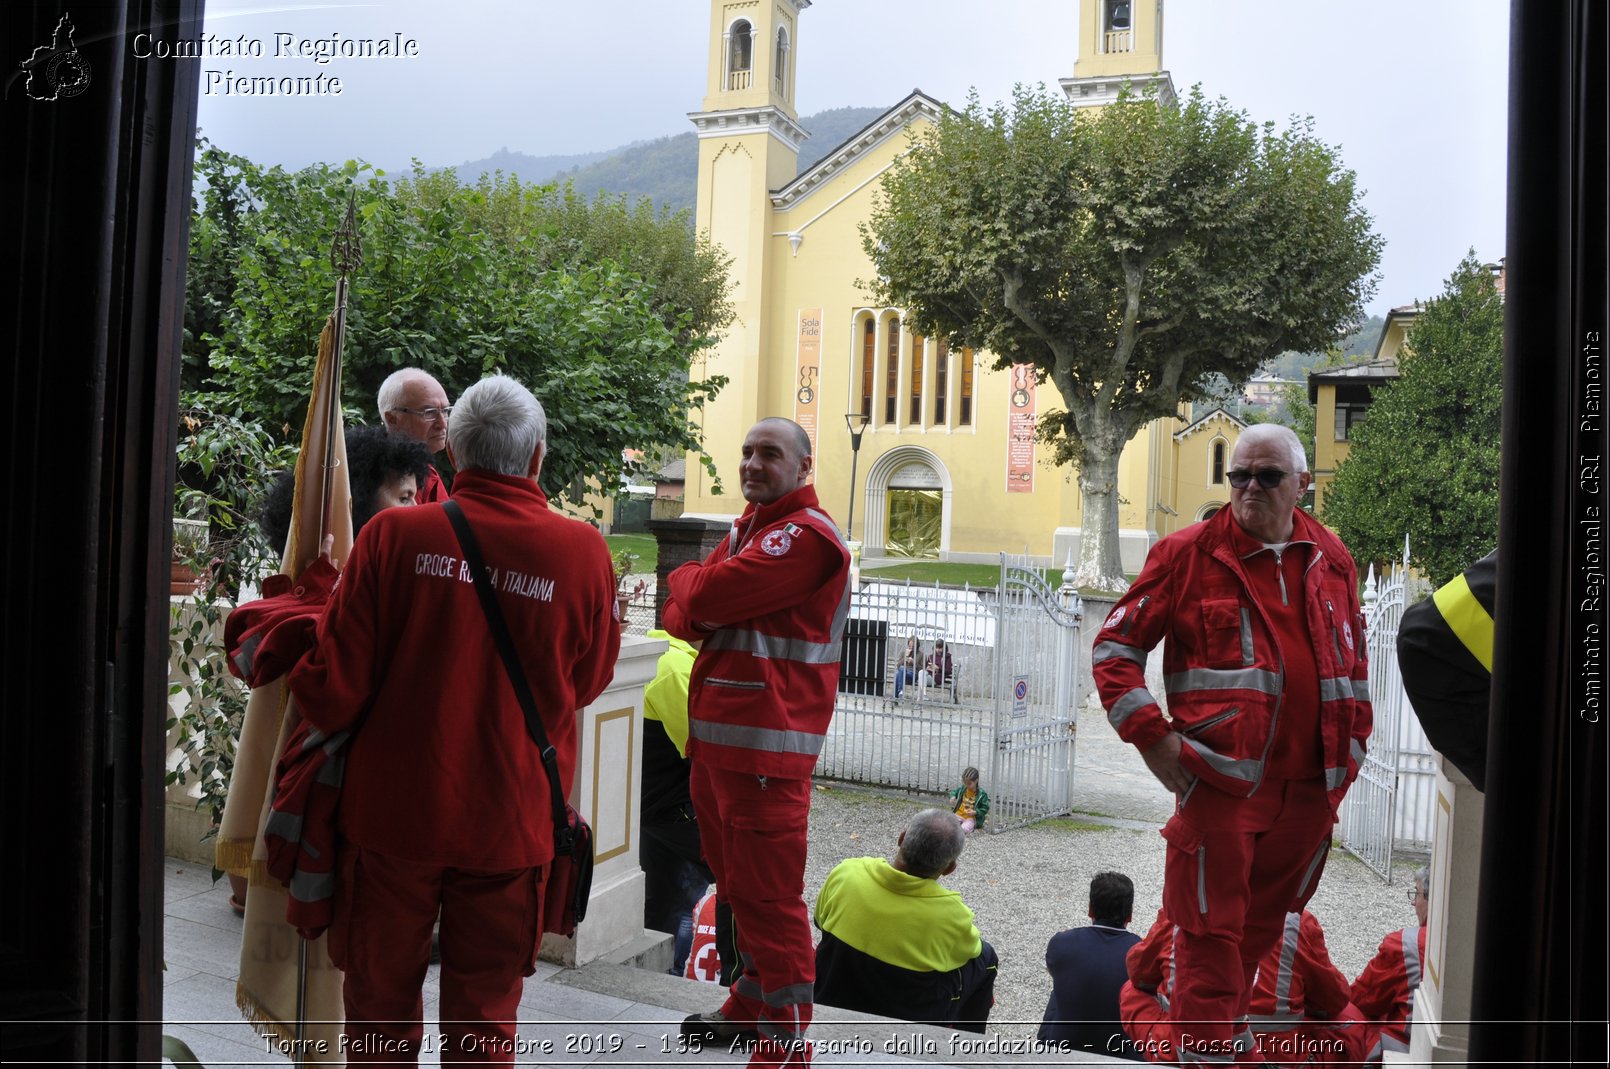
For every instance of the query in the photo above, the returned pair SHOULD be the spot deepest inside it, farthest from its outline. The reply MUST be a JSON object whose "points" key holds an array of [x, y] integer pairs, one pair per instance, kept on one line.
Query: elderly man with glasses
{"points": [[1266, 686], [413, 405]]}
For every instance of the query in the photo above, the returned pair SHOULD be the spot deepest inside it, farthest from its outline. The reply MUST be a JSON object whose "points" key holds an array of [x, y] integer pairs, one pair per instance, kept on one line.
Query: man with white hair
{"points": [[413, 405], [446, 806], [1268, 711]]}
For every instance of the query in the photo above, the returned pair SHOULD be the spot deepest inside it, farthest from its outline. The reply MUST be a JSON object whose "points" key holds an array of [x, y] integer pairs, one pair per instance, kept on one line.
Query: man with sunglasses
{"points": [[1266, 683], [413, 405]]}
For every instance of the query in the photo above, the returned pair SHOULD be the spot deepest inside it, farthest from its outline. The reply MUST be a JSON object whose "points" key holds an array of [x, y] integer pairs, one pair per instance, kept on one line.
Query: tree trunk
{"points": [[1099, 564]]}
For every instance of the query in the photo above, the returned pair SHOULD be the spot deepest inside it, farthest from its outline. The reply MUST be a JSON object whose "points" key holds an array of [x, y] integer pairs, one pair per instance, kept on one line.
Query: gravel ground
{"points": [[1027, 884]]}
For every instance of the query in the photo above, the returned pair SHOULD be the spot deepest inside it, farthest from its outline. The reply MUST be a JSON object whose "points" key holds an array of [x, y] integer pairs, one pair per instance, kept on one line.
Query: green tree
{"points": [[1425, 461], [1130, 253], [598, 306]]}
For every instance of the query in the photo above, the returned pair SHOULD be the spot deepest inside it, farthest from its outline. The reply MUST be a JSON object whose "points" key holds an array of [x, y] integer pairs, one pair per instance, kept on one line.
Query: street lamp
{"points": [[857, 422]]}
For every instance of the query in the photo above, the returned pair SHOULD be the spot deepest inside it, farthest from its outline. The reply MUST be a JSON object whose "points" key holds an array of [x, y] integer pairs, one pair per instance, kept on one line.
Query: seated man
{"points": [[1299, 1005], [1384, 991], [1087, 969], [1298, 1011], [895, 943]]}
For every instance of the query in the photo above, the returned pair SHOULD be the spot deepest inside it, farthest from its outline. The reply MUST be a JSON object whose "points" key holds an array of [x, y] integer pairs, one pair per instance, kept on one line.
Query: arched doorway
{"points": [[908, 504], [916, 512]]}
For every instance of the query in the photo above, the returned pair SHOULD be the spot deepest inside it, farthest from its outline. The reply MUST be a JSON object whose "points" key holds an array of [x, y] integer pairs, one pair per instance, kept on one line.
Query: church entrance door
{"points": [[915, 518]]}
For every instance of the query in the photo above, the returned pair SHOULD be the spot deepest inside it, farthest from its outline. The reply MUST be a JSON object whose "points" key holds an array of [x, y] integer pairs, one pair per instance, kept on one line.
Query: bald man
{"points": [[769, 605], [1268, 715], [413, 405]]}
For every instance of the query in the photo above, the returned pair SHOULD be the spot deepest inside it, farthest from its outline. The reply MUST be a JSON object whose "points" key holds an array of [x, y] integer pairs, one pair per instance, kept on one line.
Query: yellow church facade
{"points": [[947, 465]]}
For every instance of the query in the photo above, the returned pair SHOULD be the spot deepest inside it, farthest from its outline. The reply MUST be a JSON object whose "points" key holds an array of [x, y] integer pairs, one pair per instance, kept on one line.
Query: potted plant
{"points": [[189, 561], [623, 560]]}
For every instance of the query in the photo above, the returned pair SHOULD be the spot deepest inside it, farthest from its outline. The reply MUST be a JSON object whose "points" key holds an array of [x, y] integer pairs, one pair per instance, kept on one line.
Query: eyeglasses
{"points": [[1268, 478], [1414, 894], [429, 415]]}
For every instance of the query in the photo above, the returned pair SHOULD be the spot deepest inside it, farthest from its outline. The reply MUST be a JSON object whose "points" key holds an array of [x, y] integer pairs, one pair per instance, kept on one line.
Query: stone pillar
{"points": [[681, 540], [608, 791], [1441, 1030]]}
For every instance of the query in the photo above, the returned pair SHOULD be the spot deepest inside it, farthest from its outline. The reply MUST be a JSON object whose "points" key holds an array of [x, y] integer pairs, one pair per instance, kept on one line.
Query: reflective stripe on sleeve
{"points": [[1106, 651], [1334, 778], [1248, 769], [1471, 624], [312, 886], [1139, 698], [1411, 956], [767, 740]]}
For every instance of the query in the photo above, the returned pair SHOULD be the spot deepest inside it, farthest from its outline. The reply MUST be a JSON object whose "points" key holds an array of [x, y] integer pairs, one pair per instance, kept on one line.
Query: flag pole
{"points": [[346, 255]]}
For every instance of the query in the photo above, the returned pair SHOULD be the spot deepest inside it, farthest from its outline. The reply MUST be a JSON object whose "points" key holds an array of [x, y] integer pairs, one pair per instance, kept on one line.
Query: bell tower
{"points": [[1119, 41], [749, 139]]}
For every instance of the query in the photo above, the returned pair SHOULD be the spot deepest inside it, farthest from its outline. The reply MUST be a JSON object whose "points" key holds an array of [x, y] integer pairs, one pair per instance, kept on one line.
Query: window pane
{"points": [[917, 343], [941, 370], [891, 385], [964, 417], [868, 356]]}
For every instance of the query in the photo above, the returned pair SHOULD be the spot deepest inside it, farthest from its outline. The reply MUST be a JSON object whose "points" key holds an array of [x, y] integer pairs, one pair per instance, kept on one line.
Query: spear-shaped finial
{"points": [[346, 251]]}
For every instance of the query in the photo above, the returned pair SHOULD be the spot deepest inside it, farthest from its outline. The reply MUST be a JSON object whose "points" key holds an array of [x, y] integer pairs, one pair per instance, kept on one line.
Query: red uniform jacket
{"points": [[770, 603], [440, 769], [1384, 991], [1297, 979], [434, 489], [1222, 664]]}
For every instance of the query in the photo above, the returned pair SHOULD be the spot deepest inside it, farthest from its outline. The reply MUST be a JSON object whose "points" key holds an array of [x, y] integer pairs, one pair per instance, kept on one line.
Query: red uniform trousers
{"points": [[753, 837], [1235, 867], [1344, 1041], [1146, 1023], [384, 911]]}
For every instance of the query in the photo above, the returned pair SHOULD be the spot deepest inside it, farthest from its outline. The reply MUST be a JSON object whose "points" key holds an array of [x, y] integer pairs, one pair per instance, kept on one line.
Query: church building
{"points": [[947, 466]]}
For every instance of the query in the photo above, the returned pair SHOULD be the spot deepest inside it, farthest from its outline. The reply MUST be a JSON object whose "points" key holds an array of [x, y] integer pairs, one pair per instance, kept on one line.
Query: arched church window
{"points": [[1218, 462], [780, 64], [918, 344], [891, 382], [740, 54], [941, 377], [869, 357], [964, 409]]}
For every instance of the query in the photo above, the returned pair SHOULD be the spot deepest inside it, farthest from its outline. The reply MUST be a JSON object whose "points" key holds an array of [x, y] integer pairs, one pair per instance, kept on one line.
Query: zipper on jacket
{"points": [[1212, 720], [762, 781], [1280, 573], [1139, 606], [742, 684], [1335, 639]]}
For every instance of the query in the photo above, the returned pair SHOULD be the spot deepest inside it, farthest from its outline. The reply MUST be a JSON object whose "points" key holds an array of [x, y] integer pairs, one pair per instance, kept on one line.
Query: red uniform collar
{"points": [[787, 505], [480, 481]]}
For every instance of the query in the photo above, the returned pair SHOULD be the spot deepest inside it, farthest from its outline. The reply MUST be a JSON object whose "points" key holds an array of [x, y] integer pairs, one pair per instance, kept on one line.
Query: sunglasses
{"points": [[1268, 478]]}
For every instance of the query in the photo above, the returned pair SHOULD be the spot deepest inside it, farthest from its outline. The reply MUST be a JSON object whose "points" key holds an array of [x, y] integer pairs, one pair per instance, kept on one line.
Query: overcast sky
{"points": [[1412, 90]]}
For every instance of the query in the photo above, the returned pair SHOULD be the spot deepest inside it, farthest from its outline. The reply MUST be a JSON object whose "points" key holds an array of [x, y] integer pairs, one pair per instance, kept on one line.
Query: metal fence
{"points": [[1003, 702], [1391, 806]]}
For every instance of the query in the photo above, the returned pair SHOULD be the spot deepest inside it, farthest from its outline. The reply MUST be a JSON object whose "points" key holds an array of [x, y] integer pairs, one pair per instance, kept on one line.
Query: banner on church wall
{"points": [[808, 374], [1020, 431]]}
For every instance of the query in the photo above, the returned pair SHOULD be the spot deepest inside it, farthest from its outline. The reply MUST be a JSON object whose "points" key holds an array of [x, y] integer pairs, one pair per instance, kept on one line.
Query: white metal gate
{"points": [[1006, 707], [1390, 802]]}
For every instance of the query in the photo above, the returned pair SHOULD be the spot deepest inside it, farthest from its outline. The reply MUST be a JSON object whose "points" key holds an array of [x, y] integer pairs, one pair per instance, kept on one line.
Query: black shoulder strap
{"points": [[511, 662]]}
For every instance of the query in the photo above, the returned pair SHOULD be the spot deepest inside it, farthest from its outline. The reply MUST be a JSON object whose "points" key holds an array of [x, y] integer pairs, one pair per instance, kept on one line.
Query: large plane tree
{"points": [[1130, 253]]}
